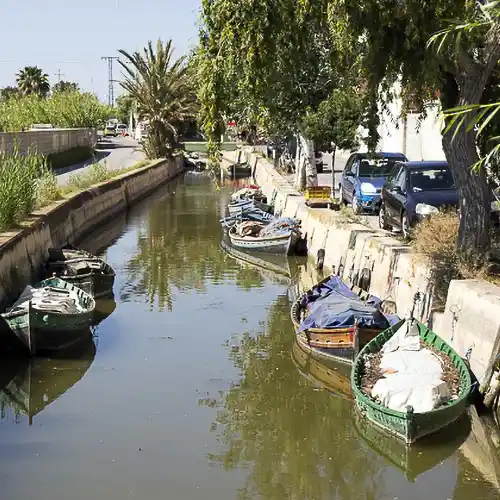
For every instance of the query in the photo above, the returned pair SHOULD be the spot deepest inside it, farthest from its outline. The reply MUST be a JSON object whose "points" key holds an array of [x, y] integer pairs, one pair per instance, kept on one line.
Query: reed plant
{"points": [[63, 110], [18, 185]]}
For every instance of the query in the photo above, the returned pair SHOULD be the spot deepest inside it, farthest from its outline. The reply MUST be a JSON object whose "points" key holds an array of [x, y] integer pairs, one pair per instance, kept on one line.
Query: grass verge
{"points": [[26, 183]]}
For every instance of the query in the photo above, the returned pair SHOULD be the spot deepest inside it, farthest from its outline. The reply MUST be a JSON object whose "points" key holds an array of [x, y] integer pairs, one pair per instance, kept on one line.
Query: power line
{"points": [[111, 90]]}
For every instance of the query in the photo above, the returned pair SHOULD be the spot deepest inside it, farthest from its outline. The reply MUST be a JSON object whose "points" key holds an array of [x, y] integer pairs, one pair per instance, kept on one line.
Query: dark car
{"points": [[415, 190], [363, 177]]}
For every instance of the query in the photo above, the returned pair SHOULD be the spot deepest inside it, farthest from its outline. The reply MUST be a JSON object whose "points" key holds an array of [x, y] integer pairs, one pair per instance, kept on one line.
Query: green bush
{"points": [[70, 157], [18, 185], [63, 110]]}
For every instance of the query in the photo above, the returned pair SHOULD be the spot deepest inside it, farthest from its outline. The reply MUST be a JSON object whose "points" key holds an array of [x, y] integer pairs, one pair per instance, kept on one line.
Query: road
{"points": [[325, 179], [116, 153]]}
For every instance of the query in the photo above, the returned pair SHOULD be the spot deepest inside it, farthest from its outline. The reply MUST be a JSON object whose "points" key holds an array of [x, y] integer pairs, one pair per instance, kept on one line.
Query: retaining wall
{"points": [[471, 319], [22, 253], [48, 141]]}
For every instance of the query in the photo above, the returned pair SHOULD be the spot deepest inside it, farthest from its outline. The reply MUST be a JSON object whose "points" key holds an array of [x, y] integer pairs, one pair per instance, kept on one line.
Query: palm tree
{"points": [[162, 92], [31, 80]]}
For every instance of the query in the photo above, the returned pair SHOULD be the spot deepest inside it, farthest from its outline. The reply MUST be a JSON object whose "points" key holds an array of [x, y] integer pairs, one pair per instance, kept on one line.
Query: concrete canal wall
{"points": [[48, 141], [471, 319], [22, 253]]}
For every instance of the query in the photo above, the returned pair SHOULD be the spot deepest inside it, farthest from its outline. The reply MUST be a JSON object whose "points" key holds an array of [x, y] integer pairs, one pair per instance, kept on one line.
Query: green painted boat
{"points": [[410, 426], [50, 316], [81, 269]]}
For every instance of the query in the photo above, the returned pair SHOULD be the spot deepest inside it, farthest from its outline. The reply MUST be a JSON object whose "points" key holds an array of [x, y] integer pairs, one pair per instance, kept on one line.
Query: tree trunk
{"points": [[306, 168], [473, 241], [474, 196]]}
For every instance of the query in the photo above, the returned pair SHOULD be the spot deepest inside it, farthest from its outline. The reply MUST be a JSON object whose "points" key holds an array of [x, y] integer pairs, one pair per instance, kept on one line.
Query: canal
{"points": [[193, 387]]}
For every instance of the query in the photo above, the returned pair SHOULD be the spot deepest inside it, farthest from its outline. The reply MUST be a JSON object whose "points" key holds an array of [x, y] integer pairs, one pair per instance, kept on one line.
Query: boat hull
{"points": [[410, 427], [338, 344], [97, 278], [283, 245], [47, 331]]}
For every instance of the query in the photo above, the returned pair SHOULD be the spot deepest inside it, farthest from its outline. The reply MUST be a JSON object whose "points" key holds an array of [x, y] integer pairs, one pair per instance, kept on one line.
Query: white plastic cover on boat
{"points": [[49, 299], [412, 375]]}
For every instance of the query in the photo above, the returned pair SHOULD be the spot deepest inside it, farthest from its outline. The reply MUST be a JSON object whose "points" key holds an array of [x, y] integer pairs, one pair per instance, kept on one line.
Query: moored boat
{"points": [[333, 322], [423, 385], [239, 170], [82, 269], [243, 205], [279, 236], [50, 316]]}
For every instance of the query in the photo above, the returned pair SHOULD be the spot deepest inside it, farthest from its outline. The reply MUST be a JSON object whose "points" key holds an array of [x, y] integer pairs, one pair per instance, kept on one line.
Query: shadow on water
{"points": [[29, 385]]}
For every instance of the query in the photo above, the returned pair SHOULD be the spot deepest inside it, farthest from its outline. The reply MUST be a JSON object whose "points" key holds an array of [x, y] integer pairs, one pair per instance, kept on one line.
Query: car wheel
{"points": [[356, 208], [405, 226], [382, 218]]}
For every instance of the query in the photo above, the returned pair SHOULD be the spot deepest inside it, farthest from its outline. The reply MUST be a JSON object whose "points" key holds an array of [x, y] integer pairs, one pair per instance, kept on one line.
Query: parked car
{"points": [[318, 157], [414, 191], [120, 129], [110, 131], [363, 177]]}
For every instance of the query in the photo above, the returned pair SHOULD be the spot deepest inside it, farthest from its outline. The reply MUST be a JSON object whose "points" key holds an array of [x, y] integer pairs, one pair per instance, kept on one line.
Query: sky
{"points": [[71, 36]]}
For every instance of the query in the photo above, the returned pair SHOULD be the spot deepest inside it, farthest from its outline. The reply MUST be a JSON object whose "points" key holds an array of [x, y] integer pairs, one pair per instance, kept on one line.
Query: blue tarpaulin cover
{"points": [[335, 305]]}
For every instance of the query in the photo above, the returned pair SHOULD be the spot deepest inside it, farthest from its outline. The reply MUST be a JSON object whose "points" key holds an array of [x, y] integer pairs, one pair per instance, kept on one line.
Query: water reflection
{"points": [[294, 441], [29, 385], [178, 248]]}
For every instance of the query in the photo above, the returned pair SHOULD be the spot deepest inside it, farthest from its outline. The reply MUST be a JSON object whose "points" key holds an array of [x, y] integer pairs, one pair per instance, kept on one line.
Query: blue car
{"points": [[363, 177]]}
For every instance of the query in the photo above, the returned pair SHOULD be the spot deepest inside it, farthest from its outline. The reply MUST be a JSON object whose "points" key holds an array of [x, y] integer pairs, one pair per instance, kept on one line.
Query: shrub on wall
{"points": [[62, 110]]}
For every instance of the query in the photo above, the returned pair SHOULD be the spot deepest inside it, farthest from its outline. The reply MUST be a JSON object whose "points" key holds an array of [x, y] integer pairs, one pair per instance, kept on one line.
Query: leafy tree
{"points": [[31, 80], [337, 120], [268, 65], [124, 107], [396, 37], [63, 86], [8, 93], [162, 92]]}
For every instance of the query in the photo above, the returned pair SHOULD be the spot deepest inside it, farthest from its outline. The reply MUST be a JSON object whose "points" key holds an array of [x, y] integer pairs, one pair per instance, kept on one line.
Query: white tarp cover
{"points": [[412, 375], [49, 299]]}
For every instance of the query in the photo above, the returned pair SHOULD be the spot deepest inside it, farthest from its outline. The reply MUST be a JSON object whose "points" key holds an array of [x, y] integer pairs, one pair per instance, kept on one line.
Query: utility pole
{"points": [[59, 75], [111, 91]]}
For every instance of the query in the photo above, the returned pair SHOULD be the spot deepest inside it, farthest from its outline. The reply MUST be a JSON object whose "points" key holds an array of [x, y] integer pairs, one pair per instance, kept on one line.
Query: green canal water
{"points": [[193, 387]]}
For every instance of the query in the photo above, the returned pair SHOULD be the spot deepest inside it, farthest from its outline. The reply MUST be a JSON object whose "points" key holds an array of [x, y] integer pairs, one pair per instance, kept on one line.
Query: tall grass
{"points": [[64, 110], [18, 185]]}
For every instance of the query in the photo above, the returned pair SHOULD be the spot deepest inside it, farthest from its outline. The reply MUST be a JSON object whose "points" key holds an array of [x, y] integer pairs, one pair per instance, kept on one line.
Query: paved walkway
{"points": [[122, 152]]}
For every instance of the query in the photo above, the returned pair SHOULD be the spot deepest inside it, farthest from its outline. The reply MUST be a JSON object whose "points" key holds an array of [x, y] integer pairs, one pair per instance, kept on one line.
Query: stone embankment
{"points": [[470, 321], [23, 252]]}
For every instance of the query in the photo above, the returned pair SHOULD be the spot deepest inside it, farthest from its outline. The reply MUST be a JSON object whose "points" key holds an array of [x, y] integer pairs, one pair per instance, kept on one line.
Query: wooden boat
{"points": [[254, 214], [337, 343], [82, 269], [35, 383], [240, 206], [239, 170], [410, 426], [282, 244], [328, 375], [50, 316], [418, 459], [274, 264]]}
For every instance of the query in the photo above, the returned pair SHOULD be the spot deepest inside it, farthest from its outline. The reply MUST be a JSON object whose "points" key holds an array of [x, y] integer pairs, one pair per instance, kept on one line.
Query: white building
{"points": [[417, 139]]}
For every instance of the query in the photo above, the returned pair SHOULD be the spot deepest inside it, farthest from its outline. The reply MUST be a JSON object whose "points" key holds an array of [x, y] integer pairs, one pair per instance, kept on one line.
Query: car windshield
{"points": [[376, 167], [431, 179]]}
